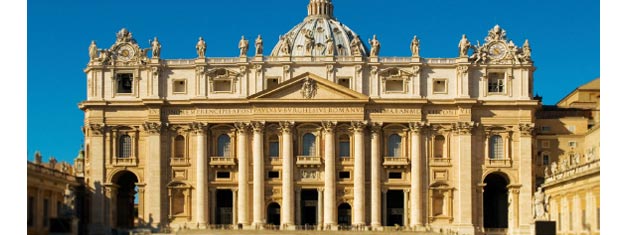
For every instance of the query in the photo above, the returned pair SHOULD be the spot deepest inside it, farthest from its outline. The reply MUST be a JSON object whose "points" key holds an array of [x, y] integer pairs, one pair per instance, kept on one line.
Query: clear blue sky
{"points": [[564, 36]]}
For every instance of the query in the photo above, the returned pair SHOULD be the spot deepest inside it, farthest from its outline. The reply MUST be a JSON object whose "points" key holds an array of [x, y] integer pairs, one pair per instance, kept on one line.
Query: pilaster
{"points": [[154, 182], [463, 197]]}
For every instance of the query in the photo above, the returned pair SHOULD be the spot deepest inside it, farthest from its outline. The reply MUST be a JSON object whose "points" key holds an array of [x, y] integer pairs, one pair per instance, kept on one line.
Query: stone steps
{"points": [[297, 232]]}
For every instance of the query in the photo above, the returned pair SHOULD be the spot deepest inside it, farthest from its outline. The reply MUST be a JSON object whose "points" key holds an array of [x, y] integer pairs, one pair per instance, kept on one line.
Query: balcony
{"points": [[346, 160], [437, 161], [179, 161], [395, 162], [498, 162], [222, 162], [275, 161], [308, 161], [125, 161]]}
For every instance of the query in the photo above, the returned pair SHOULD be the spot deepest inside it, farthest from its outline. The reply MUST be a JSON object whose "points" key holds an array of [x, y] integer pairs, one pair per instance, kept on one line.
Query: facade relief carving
{"points": [[309, 88]]}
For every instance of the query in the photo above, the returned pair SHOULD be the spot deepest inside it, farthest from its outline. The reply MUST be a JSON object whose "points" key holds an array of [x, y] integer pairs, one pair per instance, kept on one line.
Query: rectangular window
{"points": [[273, 149], [344, 149], [545, 144], [546, 159], [345, 82], [124, 83], [222, 86], [394, 86], [395, 175], [223, 175], [440, 86], [572, 144], [271, 83], [272, 175], [31, 211], [545, 129], [180, 86], [496, 83], [46, 211], [344, 175]]}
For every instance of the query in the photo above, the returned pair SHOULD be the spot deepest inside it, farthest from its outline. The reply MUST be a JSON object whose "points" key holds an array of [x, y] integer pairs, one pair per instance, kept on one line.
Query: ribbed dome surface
{"points": [[318, 35]]}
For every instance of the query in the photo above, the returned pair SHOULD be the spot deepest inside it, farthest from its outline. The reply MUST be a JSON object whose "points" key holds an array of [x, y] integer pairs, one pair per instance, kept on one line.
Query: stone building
{"points": [[320, 132], [568, 158]]}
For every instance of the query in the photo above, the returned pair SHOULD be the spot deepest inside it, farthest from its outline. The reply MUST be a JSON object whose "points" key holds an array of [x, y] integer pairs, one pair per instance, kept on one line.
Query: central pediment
{"points": [[308, 87]]}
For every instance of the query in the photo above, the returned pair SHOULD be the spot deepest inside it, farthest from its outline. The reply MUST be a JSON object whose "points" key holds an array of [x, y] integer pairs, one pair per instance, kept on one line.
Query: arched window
{"points": [[496, 147], [308, 144], [393, 145], [273, 146], [124, 146], [344, 146], [179, 147], [223, 146], [439, 143]]}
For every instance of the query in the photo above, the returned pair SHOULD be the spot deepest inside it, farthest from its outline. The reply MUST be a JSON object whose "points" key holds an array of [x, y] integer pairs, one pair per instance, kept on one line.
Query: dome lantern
{"points": [[320, 8]]}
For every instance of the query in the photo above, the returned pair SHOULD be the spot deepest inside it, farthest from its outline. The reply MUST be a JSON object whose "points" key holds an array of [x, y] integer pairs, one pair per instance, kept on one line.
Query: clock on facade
{"points": [[125, 52], [497, 51]]}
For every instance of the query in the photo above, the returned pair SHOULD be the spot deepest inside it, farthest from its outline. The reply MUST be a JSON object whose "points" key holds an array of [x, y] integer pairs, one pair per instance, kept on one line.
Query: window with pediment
{"points": [[179, 147], [125, 146], [440, 142], [222, 80], [344, 146], [496, 147], [395, 80], [179, 199]]}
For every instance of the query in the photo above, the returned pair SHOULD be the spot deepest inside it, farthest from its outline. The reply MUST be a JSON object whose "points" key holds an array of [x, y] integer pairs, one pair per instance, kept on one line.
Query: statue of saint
{"points": [[525, 56], [330, 46], [201, 48], [495, 34], [375, 46], [259, 45], [415, 47], [309, 42], [243, 47], [156, 48], [464, 46], [355, 46], [553, 168], [68, 201], [541, 204], [93, 51]]}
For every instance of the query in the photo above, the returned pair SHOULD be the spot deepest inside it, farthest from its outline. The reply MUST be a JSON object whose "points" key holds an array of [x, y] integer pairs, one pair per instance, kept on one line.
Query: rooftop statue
{"points": [[156, 48], [259, 45], [415, 47], [93, 51], [355, 46], [243, 46], [496, 34], [124, 36], [375, 46], [464, 46], [201, 48]]}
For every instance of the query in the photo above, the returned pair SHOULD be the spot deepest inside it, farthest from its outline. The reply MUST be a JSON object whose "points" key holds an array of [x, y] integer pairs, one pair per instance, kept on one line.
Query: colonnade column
{"points": [[154, 182], [463, 197], [375, 181], [330, 189], [416, 175], [242, 158], [359, 173], [258, 176], [201, 174], [287, 208]]}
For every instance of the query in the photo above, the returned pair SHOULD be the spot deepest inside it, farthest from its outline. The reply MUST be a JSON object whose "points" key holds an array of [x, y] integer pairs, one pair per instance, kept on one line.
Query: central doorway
{"points": [[344, 213], [308, 207], [395, 207], [495, 203], [273, 214], [224, 206], [125, 200]]}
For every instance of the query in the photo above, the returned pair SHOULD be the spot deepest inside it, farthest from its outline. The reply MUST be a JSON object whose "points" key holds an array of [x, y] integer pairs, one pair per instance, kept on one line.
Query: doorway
{"points": [[273, 214], [224, 206], [395, 208], [344, 213], [125, 199], [495, 203], [308, 206]]}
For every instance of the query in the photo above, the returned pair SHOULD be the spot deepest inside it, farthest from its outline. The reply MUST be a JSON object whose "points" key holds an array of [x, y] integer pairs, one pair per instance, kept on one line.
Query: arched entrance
{"points": [[344, 213], [126, 207], [273, 214], [495, 201]]}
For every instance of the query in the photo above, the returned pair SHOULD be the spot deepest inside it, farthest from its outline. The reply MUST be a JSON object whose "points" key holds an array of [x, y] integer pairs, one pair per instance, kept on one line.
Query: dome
{"points": [[320, 34]]}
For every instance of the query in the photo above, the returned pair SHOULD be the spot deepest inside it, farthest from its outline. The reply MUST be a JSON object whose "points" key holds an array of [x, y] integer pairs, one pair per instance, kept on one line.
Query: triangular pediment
{"points": [[309, 87]]}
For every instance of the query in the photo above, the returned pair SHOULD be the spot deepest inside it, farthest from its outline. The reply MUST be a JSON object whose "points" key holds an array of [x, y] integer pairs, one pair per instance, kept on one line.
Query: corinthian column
{"points": [[330, 189], [463, 197], [416, 171], [202, 208], [154, 182], [375, 181], [359, 173], [242, 158], [258, 176], [287, 208]]}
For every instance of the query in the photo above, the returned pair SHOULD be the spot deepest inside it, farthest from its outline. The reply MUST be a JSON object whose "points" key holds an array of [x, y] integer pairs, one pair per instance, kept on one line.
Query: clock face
{"points": [[497, 51], [125, 53]]}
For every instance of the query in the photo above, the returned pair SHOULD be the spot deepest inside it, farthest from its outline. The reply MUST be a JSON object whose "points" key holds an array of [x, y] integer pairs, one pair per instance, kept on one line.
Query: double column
{"points": [[416, 175], [359, 173], [258, 184], [242, 158], [202, 206], [330, 189], [287, 208]]}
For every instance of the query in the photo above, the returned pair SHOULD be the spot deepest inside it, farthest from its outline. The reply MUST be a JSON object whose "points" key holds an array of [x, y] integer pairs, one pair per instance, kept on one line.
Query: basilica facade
{"points": [[320, 133]]}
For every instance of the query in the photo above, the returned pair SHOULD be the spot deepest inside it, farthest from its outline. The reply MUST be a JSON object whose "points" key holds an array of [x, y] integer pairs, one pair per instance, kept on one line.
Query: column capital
{"points": [[242, 127], [375, 127], [463, 128], [96, 129], [286, 126], [329, 126], [198, 127], [526, 129], [357, 126], [418, 127], [258, 126], [152, 127]]}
